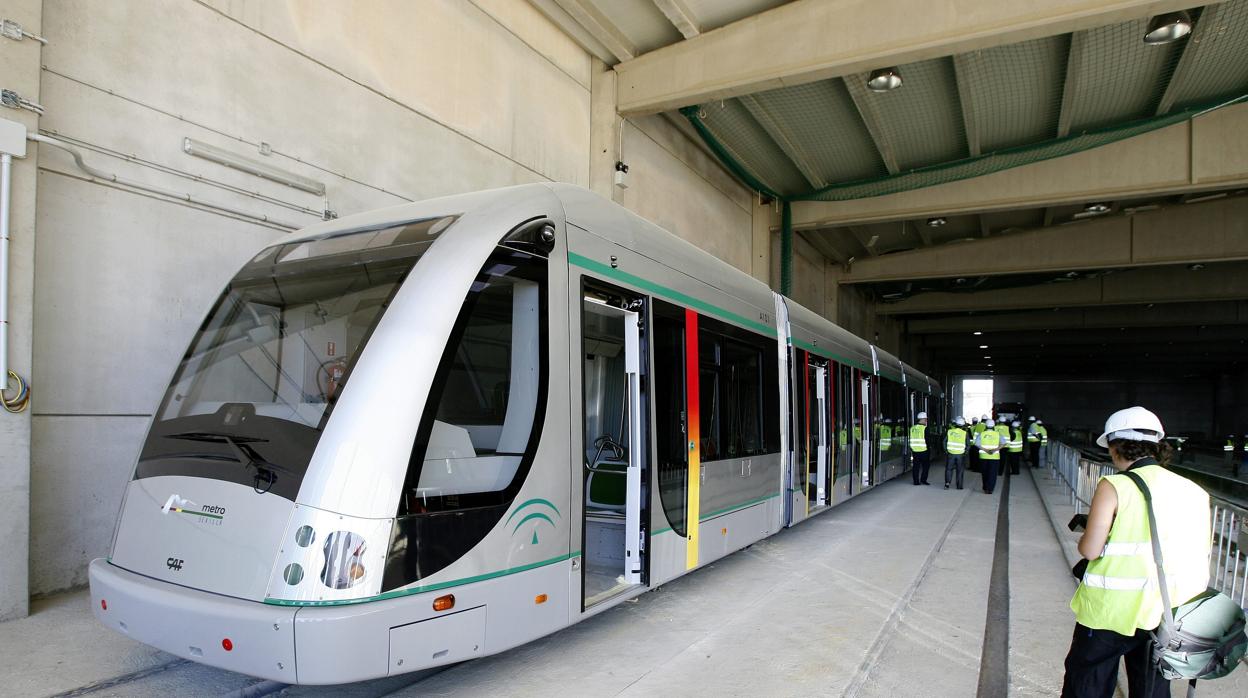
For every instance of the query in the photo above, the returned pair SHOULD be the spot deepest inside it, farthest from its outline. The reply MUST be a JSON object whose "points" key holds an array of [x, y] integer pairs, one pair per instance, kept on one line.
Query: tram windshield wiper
{"points": [[241, 446]]}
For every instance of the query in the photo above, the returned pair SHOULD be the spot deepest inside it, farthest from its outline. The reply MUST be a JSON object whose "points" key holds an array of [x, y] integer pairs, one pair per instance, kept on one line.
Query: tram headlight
{"points": [[344, 560]]}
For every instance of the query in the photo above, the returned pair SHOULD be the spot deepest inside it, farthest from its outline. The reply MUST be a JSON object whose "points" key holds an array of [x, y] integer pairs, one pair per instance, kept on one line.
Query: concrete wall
{"points": [[384, 101], [1185, 406]]}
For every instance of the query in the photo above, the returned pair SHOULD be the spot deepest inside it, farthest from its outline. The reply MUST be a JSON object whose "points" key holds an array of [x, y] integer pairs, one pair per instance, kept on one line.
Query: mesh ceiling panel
{"points": [[977, 113]]}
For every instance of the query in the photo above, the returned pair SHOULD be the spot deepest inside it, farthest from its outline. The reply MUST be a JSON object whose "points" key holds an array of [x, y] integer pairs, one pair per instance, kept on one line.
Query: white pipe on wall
{"points": [[6, 179]]}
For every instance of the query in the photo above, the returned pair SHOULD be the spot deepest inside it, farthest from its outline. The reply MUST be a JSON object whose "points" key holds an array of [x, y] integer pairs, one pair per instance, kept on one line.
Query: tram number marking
{"points": [[174, 564]]}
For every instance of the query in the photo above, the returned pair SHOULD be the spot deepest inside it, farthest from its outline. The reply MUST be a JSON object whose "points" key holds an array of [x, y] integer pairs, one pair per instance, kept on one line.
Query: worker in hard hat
{"points": [[956, 441], [1033, 442], [1243, 449], [1119, 600], [977, 426], [919, 452], [1228, 452], [1003, 428], [1014, 451], [989, 444], [1043, 431]]}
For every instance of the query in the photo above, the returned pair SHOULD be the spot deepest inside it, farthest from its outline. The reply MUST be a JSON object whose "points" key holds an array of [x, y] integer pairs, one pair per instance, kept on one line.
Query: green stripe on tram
{"points": [[655, 287]]}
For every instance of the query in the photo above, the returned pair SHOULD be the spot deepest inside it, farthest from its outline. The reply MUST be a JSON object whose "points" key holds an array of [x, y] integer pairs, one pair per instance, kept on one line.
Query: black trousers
{"points": [[1014, 459], [989, 471], [922, 462], [1033, 449], [1092, 665]]}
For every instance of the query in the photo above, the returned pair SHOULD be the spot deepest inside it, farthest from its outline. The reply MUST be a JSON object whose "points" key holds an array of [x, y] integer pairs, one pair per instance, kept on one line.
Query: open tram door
{"points": [[817, 432], [614, 500], [867, 415]]}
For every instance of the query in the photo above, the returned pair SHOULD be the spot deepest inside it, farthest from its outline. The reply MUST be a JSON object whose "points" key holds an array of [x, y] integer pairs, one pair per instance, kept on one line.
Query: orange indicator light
{"points": [[539, 599], [444, 603]]}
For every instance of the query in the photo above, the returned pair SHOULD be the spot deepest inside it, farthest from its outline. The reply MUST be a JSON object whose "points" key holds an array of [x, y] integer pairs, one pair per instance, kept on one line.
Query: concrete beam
{"points": [[1210, 18], [875, 127], [962, 67], [1211, 232], [1221, 282], [868, 242], [1204, 153], [1070, 87], [1207, 335], [813, 40], [680, 16], [599, 27], [1162, 315]]}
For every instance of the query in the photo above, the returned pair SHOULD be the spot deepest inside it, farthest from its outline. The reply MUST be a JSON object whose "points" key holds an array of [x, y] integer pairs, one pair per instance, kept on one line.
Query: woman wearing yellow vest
{"points": [[1118, 600]]}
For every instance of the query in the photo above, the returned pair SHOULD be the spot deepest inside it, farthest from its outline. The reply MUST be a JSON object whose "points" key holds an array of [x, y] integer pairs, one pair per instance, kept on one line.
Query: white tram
{"points": [[367, 461]]}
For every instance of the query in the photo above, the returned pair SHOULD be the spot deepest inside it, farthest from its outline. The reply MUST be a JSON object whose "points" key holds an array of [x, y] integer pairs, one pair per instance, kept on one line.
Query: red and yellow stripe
{"points": [[693, 492]]}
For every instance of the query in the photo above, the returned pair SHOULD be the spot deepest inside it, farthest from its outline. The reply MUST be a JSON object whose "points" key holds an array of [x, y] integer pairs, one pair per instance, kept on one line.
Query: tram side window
{"points": [[481, 423], [669, 411], [738, 411]]}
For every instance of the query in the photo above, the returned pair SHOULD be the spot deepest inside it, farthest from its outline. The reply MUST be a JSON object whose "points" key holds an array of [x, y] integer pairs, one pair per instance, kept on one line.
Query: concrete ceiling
{"points": [[1158, 281]]}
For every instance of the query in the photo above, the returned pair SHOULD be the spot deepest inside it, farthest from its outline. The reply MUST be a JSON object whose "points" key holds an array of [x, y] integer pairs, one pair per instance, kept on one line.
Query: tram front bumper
{"points": [[243, 636]]}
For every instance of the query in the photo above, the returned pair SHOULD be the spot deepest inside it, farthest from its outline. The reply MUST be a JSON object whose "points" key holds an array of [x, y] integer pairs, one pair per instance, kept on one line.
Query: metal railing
{"points": [[1228, 562]]}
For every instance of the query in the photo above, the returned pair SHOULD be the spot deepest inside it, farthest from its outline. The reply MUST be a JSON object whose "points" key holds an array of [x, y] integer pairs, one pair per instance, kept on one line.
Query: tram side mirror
{"points": [[535, 236]]}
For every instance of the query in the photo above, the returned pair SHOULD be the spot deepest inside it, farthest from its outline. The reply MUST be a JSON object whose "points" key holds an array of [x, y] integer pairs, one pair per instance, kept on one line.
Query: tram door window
{"points": [[815, 428], [843, 393], [614, 444], [670, 418]]}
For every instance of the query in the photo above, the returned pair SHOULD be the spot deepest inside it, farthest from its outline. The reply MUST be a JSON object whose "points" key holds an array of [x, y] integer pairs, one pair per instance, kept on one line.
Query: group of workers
{"points": [[984, 441], [1229, 454]]}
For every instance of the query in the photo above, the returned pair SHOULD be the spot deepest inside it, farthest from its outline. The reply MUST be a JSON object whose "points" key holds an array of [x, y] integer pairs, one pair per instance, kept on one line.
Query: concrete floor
{"points": [[883, 596]]}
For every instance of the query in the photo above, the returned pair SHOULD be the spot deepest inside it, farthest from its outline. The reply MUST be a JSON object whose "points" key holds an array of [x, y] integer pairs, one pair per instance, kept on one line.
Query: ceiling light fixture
{"points": [[1169, 27], [1097, 208], [936, 222], [983, 346], [1196, 267], [977, 333], [884, 80]]}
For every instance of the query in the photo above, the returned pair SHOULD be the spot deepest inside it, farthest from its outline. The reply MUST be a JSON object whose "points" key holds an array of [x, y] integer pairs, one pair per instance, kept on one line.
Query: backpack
{"points": [[1202, 638]]}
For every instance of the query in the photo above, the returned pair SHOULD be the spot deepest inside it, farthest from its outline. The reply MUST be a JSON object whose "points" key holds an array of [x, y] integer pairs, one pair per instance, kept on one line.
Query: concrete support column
{"points": [[760, 241], [604, 136], [19, 71], [832, 291]]}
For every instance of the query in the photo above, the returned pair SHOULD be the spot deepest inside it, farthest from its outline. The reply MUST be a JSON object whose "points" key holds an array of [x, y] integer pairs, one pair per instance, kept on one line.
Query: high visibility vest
{"points": [[857, 433], [886, 437], [842, 437], [1016, 443], [955, 441], [1230, 446], [991, 438], [979, 428], [1119, 590], [1033, 434], [918, 438], [1044, 435], [1004, 431]]}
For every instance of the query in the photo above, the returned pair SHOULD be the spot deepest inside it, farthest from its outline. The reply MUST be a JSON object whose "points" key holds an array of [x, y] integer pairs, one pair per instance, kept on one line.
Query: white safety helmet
{"points": [[989, 422], [921, 415], [1132, 424], [1016, 423], [1031, 419], [960, 421], [1039, 421], [983, 418]]}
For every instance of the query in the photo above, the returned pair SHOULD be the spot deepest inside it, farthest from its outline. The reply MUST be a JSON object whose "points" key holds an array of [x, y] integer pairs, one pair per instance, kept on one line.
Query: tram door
{"points": [[820, 435], [868, 434], [614, 446]]}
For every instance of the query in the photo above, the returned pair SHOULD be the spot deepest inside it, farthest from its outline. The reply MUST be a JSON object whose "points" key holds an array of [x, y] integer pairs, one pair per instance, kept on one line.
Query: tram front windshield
{"points": [[252, 395]]}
